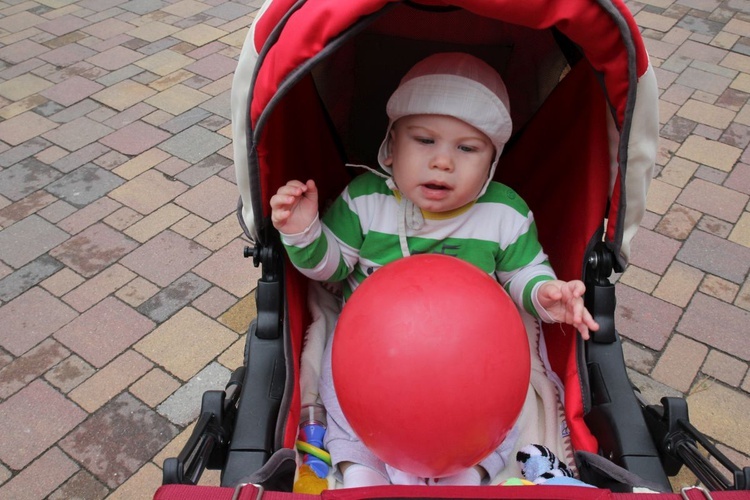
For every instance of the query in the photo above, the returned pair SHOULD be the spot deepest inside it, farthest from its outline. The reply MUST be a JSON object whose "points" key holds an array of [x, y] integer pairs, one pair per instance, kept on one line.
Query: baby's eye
{"points": [[467, 149], [424, 140]]}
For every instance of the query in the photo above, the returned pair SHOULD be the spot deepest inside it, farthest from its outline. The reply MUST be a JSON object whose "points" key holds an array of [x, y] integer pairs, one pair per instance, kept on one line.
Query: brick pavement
{"points": [[123, 292]]}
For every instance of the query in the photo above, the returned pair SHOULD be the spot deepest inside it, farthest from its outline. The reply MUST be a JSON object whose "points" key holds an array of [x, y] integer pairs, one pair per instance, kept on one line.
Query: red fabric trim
{"points": [[317, 22], [186, 492]]}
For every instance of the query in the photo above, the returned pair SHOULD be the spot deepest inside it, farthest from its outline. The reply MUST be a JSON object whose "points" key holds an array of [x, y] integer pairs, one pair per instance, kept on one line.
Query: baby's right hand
{"points": [[294, 206]]}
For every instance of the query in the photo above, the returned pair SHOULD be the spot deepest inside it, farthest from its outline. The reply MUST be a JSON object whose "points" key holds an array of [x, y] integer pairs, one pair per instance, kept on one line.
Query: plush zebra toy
{"points": [[538, 464]]}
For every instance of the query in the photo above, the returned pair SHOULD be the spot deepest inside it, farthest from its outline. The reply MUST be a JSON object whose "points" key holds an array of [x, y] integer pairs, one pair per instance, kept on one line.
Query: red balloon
{"points": [[431, 364]]}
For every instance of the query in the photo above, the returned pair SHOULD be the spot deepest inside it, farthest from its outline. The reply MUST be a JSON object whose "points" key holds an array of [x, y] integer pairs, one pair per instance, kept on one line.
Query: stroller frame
{"points": [[243, 427]]}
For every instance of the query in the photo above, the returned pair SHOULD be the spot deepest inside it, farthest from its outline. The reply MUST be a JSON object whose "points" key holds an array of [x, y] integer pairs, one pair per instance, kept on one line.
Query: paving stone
{"points": [[703, 80], [61, 282], [183, 406], [41, 477], [109, 381], [219, 105], [194, 144], [741, 232], [191, 226], [715, 200], [239, 316], [142, 484], [185, 343], [711, 153], [137, 292], [25, 177], [153, 31], [174, 297], [714, 226], [719, 288], [640, 279], [165, 62], [156, 222], [680, 363], [93, 249], [84, 185], [135, 138], [123, 95], [104, 331], [178, 99], [82, 486], [716, 256], [154, 387], [123, 218], [21, 280], [204, 169], [29, 238], [661, 196], [725, 368], [77, 133], [185, 120], [678, 284], [77, 110], [678, 222], [213, 67], [148, 191], [644, 319], [652, 251], [17, 374], [651, 390], [67, 55], [165, 257], [69, 373], [15, 212], [720, 413], [23, 86], [222, 269], [98, 287], [72, 90], [221, 193], [118, 439], [22, 50], [21, 418], [716, 323], [214, 302], [220, 234], [57, 211], [88, 215], [24, 127], [23, 151], [636, 357]]}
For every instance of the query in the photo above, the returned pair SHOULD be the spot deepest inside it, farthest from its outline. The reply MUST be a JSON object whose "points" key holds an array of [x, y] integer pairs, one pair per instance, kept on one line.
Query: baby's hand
{"points": [[294, 206], [563, 300]]}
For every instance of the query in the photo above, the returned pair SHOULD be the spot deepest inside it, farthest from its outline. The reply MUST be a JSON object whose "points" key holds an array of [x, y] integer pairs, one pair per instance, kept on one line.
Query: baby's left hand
{"points": [[563, 300]]}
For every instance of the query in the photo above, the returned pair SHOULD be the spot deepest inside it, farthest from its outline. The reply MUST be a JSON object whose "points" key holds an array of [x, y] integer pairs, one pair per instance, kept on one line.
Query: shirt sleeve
{"points": [[327, 250]]}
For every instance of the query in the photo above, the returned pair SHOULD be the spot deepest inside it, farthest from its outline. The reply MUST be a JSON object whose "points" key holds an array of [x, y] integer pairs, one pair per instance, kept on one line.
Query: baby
{"points": [[449, 121]]}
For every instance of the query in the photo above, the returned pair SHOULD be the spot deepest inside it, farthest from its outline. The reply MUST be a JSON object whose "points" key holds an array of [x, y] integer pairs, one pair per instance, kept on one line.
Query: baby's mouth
{"points": [[437, 187]]}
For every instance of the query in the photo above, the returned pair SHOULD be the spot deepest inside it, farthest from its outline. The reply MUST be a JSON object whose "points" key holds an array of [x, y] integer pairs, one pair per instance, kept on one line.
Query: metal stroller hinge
{"points": [[238, 489]]}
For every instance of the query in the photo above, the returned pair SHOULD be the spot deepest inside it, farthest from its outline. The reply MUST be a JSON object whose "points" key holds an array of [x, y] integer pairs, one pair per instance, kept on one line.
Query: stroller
{"points": [[309, 97]]}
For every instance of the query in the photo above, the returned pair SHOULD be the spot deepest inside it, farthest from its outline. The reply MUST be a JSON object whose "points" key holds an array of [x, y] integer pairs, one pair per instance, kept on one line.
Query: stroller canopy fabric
{"points": [[290, 36]]}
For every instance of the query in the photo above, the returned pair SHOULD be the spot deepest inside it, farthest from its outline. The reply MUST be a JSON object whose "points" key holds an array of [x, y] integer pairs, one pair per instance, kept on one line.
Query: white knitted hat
{"points": [[458, 85]]}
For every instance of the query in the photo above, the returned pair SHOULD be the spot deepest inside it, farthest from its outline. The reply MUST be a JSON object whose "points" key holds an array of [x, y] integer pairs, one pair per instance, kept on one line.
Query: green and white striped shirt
{"points": [[359, 234]]}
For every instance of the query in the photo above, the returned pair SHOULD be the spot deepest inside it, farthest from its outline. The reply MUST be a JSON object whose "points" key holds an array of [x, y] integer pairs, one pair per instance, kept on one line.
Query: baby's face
{"points": [[439, 163]]}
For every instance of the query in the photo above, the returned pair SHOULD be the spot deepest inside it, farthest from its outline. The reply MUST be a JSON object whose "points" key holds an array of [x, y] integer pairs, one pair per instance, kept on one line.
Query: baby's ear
{"points": [[388, 160]]}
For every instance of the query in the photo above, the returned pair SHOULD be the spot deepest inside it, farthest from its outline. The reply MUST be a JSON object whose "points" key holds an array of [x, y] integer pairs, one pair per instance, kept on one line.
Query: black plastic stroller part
{"points": [[613, 414], [208, 444], [220, 440], [678, 442]]}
